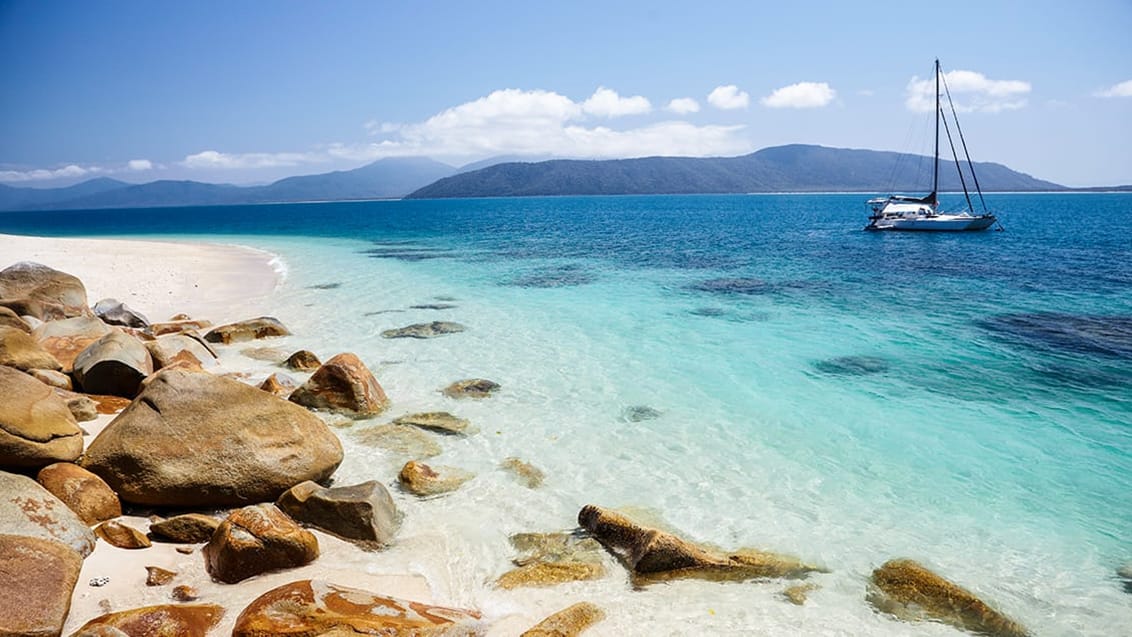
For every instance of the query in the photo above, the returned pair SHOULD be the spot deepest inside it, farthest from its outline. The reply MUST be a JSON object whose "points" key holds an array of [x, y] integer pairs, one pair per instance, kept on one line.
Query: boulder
{"points": [[909, 591], [424, 330], [438, 421], [9, 318], [179, 326], [471, 388], [278, 384], [420, 479], [315, 607], [115, 364], [82, 491], [38, 578], [196, 440], [344, 385], [548, 559], [568, 622], [66, 338], [257, 539], [303, 361], [83, 407], [363, 512], [115, 312], [156, 621], [157, 576], [36, 427], [29, 510], [165, 350], [52, 378], [18, 349], [49, 293], [121, 535], [404, 443], [249, 330], [188, 528], [652, 554], [528, 475]]}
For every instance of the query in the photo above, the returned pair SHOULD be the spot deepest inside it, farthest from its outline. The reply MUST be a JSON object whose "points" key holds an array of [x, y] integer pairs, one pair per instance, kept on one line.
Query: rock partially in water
{"points": [[798, 593], [639, 413], [362, 513], [853, 365], [423, 480], [266, 354], [437, 421], [528, 475], [278, 384], [471, 388], [343, 385], [247, 330], [909, 591], [1125, 574], [303, 361], [547, 559], [424, 330], [405, 443], [568, 622], [553, 277], [1081, 334]]}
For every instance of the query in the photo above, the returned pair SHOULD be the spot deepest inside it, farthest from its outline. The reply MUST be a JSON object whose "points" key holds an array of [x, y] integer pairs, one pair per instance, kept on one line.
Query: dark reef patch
{"points": [[553, 277], [1079, 334], [324, 286], [852, 365]]}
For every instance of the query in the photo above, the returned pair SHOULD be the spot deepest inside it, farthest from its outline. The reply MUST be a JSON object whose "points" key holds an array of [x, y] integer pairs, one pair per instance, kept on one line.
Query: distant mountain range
{"points": [[793, 168]]}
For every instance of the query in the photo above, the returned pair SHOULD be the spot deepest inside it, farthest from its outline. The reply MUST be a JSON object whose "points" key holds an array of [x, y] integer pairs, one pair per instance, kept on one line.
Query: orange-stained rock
{"points": [[169, 349], [82, 491], [66, 338], [315, 607], [109, 404], [48, 293], [157, 576], [8, 318], [568, 622], [36, 427], [166, 620], [303, 361], [909, 591], [28, 509], [653, 554], [345, 385], [278, 384], [189, 528], [195, 440], [251, 329], [52, 378], [37, 577], [121, 535], [257, 539], [18, 349], [178, 326], [421, 479]]}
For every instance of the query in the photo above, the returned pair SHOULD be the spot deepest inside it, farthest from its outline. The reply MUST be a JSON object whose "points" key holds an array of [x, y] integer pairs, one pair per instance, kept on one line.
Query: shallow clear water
{"points": [[843, 396]]}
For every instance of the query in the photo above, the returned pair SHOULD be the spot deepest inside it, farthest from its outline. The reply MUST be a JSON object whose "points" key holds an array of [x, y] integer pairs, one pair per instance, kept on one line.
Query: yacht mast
{"points": [[935, 176]]}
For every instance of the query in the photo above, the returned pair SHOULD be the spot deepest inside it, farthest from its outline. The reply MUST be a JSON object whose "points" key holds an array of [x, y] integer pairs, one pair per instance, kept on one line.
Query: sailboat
{"points": [[900, 212]]}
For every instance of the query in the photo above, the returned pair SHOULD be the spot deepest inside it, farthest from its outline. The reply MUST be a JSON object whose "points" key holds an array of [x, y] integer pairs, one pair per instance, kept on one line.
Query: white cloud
{"points": [[1123, 89], [801, 95], [41, 174], [607, 103], [970, 91], [216, 159], [683, 106], [139, 164], [728, 97]]}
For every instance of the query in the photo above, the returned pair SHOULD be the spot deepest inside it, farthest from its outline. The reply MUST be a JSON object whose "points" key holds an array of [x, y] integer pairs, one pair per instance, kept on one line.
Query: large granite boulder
{"points": [[343, 385], [315, 607], [909, 591], [82, 491], [115, 312], [197, 440], [421, 479], [37, 577], [115, 364], [41, 291], [18, 349], [8, 318], [424, 330], [652, 554], [568, 622], [36, 427], [165, 620], [166, 349], [257, 539], [249, 330], [363, 512], [66, 338], [29, 510]]}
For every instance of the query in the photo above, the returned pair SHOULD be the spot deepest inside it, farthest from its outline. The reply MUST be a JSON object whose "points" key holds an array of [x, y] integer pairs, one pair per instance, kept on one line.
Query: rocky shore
{"points": [[143, 484]]}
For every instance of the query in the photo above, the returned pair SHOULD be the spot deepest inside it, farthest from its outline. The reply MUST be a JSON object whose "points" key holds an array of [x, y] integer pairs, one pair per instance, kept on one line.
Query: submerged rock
{"points": [[156, 621], [421, 479], [424, 330], [853, 365], [528, 475], [548, 559], [39, 577], [251, 329], [554, 277], [798, 593], [437, 421], [404, 442], [909, 591], [653, 554], [257, 539], [471, 388], [433, 306], [315, 607], [640, 413], [362, 512], [266, 354], [568, 622]]}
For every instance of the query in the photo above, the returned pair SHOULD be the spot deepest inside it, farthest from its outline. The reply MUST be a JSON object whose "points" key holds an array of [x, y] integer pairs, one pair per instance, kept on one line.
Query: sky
{"points": [[253, 91]]}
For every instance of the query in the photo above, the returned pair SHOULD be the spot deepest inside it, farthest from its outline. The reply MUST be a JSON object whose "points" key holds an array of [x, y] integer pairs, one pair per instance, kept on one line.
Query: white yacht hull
{"points": [[937, 223]]}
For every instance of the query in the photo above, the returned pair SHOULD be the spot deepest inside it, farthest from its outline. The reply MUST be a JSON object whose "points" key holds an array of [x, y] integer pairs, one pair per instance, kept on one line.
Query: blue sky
{"points": [[247, 92]]}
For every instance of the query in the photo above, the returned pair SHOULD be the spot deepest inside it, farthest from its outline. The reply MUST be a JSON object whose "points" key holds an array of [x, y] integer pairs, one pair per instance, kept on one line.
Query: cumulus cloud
{"points": [[728, 97], [683, 106], [1123, 89], [41, 174], [970, 91], [139, 164], [801, 95], [607, 103], [216, 159]]}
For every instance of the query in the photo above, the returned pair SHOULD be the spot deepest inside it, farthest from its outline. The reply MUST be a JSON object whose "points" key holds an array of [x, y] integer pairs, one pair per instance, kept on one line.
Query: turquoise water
{"points": [[844, 396]]}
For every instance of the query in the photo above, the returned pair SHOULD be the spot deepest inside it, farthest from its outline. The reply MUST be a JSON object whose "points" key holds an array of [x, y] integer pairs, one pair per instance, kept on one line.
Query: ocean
{"points": [[812, 389]]}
